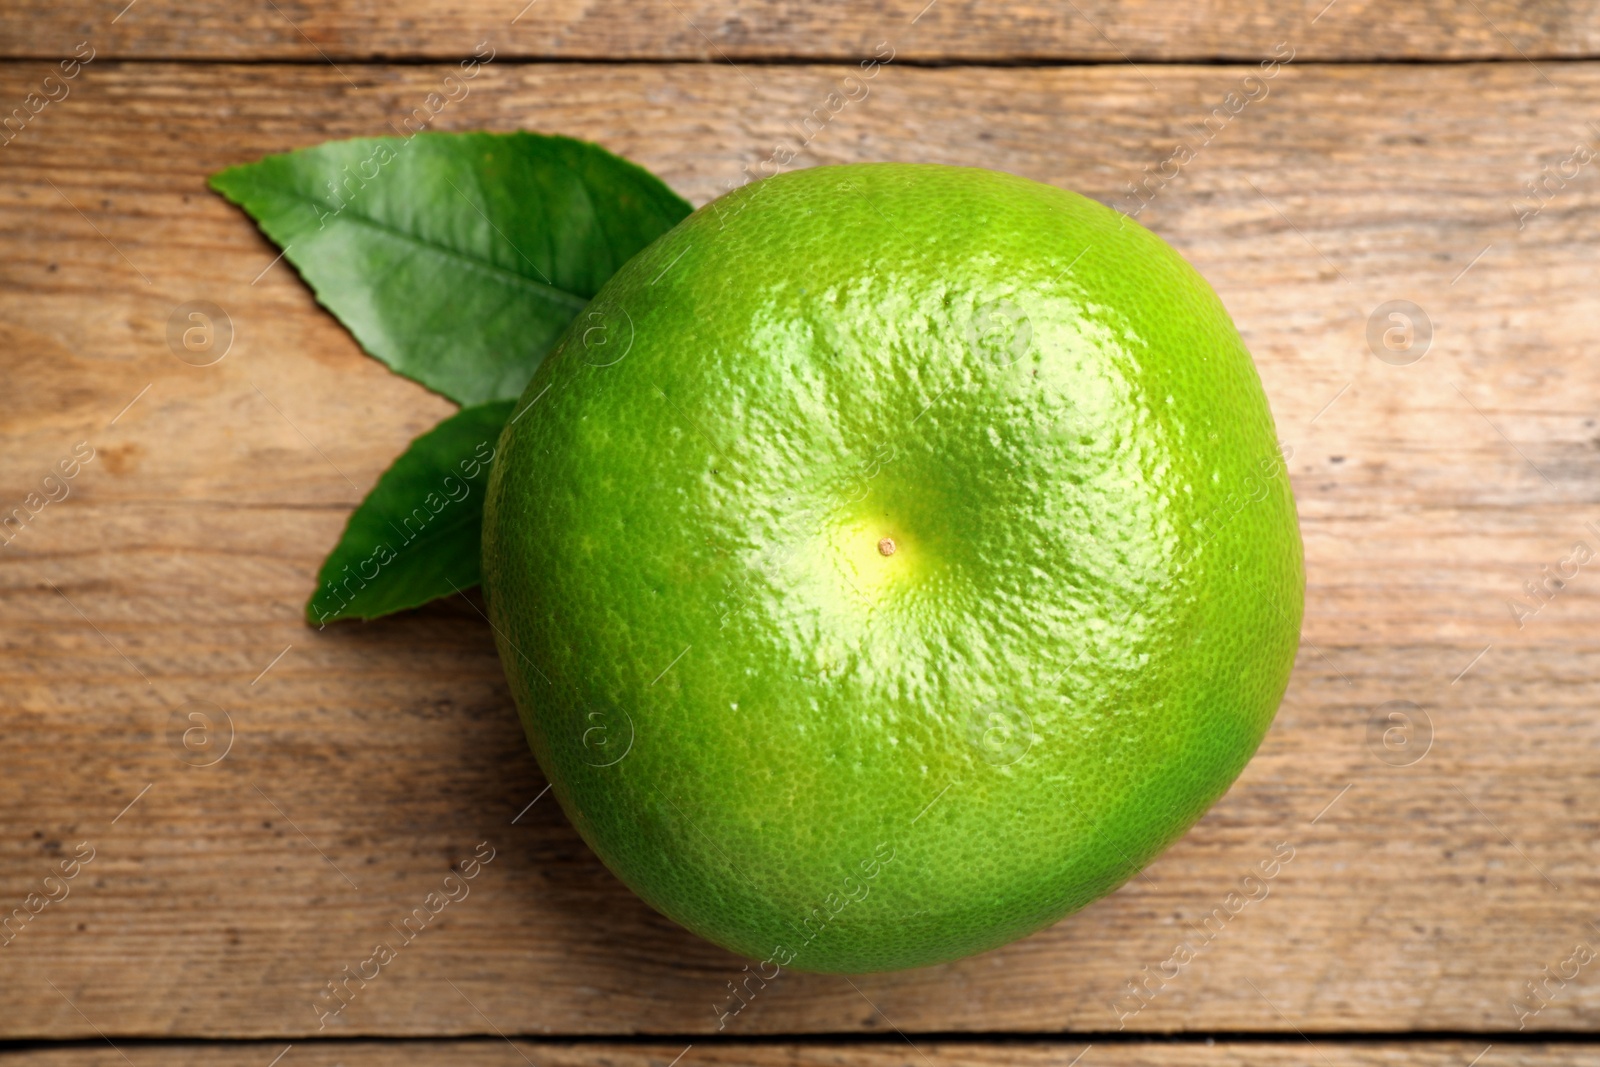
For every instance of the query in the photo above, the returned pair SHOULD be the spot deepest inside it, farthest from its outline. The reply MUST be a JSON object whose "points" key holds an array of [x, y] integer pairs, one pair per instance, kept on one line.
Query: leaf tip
{"points": [[220, 181]]}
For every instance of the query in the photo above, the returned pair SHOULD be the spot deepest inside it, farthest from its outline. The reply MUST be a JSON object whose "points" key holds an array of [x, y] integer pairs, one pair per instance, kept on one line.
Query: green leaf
{"points": [[416, 536], [457, 259]]}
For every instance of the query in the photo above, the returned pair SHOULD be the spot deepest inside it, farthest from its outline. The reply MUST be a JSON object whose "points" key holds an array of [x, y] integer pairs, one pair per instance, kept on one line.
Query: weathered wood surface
{"points": [[724, 30], [368, 759], [921, 1052]]}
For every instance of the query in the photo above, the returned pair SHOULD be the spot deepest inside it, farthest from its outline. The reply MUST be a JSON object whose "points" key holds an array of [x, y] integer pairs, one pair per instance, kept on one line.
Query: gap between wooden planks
{"points": [[494, 1051]]}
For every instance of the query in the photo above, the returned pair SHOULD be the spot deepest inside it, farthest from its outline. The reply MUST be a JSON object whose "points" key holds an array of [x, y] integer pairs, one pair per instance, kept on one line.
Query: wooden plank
{"points": [[369, 759], [722, 31], [498, 1052]]}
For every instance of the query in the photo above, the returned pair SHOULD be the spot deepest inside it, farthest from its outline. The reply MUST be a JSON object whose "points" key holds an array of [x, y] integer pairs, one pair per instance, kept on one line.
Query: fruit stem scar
{"points": [[886, 547]]}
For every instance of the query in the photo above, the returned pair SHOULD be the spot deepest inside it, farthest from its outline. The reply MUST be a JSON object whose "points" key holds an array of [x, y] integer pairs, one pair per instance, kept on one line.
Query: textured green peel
{"points": [[834, 758]]}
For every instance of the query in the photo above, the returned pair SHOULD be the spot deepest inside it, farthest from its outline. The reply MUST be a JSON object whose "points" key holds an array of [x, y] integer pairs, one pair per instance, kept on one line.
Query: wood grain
{"points": [[722, 31], [498, 1052], [367, 759]]}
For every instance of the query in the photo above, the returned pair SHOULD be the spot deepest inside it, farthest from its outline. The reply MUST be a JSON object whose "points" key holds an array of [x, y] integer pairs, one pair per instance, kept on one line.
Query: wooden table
{"points": [[1442, 859]]}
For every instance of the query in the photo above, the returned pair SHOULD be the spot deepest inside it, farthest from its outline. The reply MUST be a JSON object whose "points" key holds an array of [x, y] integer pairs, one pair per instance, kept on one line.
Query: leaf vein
{"points": [[553, 294]]}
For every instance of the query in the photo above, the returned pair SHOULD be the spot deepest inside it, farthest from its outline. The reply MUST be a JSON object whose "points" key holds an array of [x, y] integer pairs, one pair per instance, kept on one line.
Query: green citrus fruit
{"points": [[892, 560]]}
